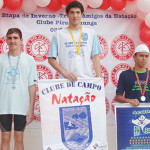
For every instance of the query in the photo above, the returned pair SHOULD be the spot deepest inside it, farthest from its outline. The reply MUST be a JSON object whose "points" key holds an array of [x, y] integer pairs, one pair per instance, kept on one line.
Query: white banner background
{"points": [[118, 35], [50, 115]]}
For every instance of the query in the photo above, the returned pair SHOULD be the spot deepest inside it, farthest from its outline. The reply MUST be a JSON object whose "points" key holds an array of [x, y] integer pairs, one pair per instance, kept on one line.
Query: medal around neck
{"points": [[143, 98], [10, 65]]}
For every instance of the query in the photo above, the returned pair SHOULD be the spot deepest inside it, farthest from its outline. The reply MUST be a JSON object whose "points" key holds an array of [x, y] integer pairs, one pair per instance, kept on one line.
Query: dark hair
{"points": [[14, 30], [74, 4]]}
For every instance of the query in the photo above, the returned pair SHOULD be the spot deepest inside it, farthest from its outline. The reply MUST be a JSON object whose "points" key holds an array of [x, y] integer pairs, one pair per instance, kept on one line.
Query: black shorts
{"points": [[6, 122]]}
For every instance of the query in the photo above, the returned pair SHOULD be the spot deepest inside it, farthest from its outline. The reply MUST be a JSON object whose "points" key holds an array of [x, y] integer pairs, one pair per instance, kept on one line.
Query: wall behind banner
{"points": [[118, 34]]}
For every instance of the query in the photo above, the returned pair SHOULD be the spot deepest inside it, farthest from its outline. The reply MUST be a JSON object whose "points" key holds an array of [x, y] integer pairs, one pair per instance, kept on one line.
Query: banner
{"points": [[133, 126], [117, 32], [73, 114]]}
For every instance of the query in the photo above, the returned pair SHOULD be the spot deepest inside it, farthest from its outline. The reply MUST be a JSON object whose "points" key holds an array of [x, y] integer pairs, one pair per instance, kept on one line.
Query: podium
{"points": [[133, 126]]}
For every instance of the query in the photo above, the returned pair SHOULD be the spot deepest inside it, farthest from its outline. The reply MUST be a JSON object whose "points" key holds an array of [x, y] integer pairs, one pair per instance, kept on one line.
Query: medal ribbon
{"points": [[77, 49], [13, 77], [142, 92]]}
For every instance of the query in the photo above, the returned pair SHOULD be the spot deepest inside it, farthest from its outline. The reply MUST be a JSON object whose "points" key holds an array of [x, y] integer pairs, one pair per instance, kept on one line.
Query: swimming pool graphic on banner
{"points": [[76, 127]]}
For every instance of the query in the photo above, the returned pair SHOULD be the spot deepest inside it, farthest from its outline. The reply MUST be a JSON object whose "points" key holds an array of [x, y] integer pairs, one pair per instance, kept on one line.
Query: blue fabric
{"points": [[96, 49], [128, 83], [53, 48]]}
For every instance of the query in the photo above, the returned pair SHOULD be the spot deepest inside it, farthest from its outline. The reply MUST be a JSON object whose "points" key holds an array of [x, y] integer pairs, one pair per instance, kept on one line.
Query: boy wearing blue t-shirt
{"points": [[135, 82], [75, 46]]}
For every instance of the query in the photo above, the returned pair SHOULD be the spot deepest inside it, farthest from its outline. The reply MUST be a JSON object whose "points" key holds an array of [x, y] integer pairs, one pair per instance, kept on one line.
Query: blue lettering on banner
{"points": [[60, 22], [44, 22], [54, 29], [62, 16], [42, 16], [76, 127], [89, 85], [88, 23], [71, 84], [124, 16], [93, 16], [53, 88], [10, 15]]}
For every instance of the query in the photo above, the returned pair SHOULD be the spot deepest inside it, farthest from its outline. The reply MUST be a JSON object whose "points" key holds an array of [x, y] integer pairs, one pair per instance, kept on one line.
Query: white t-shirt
{"points": [[16, 101], [62, 46]]}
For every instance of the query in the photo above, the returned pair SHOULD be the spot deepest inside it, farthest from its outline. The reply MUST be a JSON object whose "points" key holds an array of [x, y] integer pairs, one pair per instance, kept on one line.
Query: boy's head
{"points": [[14, 30], [74, 4]]}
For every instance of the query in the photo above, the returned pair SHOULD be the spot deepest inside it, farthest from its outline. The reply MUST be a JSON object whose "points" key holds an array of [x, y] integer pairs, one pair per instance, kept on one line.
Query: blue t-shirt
{"points": [[128, 83]]}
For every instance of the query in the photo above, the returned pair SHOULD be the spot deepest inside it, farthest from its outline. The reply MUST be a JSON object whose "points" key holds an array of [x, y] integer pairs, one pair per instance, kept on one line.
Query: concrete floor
{"points": [[33, 139]]}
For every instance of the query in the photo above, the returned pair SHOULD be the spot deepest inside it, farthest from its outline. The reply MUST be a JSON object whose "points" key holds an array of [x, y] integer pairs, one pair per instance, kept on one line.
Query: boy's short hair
{"points": [[14, 30], [74, 4]]}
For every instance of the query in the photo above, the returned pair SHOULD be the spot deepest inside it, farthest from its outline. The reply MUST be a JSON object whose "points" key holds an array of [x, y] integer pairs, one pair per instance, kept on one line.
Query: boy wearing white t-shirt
{"points": [[17, 85], [75, 46]]}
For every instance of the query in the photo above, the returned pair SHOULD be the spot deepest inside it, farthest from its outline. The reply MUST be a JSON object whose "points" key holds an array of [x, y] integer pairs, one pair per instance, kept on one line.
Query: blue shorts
{"points": [[6, 122]]}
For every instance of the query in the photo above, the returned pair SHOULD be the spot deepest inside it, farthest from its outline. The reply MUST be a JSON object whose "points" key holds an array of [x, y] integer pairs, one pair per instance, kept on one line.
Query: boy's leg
{"points": [[19, 126], [5, 125]]}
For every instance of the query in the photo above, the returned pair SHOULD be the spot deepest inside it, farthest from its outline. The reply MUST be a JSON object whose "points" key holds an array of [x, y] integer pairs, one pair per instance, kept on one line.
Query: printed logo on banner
{"points": [[76, 127], [104, 73], [37, 115], [43, 72], [38, 47], [116, 72], [104, 47], [107, 105], [141, 125], [4, 46], [122, 47]]}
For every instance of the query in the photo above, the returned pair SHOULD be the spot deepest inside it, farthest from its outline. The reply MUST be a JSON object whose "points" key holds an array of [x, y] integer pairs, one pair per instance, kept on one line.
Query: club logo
{"points": [[76, 127], [116, 72], [43, 72], [38, 47], [122, 47], [104, 47], [141, 123], [4, 46]]}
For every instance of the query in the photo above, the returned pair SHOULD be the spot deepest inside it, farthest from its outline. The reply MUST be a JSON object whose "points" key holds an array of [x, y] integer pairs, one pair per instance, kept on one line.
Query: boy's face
{"points": [[13, 41], [74, 15], [141, 59]]}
